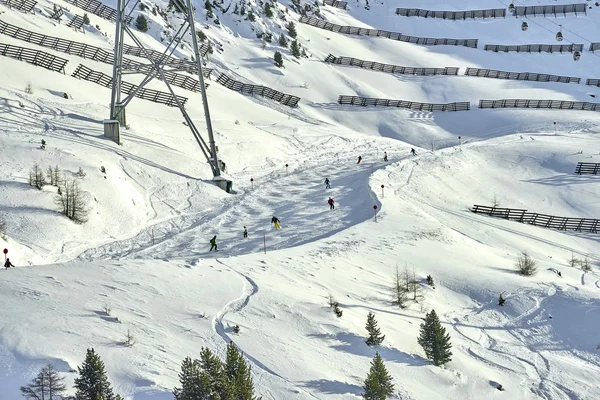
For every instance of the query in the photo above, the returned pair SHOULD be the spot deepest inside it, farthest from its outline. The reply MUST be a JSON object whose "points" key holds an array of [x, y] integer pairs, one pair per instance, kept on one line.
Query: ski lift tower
{"points": [[156, 67]]}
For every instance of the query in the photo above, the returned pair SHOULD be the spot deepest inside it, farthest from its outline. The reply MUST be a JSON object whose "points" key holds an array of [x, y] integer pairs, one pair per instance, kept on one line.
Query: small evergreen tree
{"points": [[189, 378], [243, 10], [141, 23], [86, 19], [201, 36], [378, 385], [47, 385], [212, 377], [237, 372], [278, 59], [375, 337], [501, 300], [236, 9], [92, 382], [282, 40], [208, 6], [430, 281], [295, 49], [268, 10], [434, 340], [585, 264], [251, 16], [291, 27]]}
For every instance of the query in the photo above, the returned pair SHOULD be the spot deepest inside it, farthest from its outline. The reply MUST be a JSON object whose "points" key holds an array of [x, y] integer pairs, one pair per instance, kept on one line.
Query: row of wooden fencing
{"points": [[534, 48], [553, 104], [85, 73], [26, 6], [587, 168], [564, 9], [388, 68], [97, 8], [336, 3], [411, 105], [98, 54], [245, 88], [452, 15], [351, 30], [475, 72], [521, 76], [35, 57], [542, 220]]}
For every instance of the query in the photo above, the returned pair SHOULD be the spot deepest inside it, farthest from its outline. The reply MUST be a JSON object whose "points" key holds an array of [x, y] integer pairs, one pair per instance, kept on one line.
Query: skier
{"points": [[245, 233], [327, 185], [413, 152], [213, 243], [275, 222], [8, 264], [359, 159], [385, 156], [331, 204]]}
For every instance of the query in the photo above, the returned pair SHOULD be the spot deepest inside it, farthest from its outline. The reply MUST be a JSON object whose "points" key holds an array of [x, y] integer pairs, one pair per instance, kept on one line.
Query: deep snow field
{"points": [[144, 251]]}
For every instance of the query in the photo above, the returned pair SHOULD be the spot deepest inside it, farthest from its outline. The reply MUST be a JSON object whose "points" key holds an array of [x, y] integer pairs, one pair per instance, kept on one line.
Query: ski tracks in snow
{"points": [[237, 305]]}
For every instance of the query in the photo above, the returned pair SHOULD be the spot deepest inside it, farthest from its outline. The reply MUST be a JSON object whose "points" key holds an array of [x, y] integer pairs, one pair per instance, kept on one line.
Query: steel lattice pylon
{"points": [[157, 68]]}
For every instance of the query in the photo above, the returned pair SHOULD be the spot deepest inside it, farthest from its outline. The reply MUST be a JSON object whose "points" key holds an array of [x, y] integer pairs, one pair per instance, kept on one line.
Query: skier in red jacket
{"points": [[331, 204]]}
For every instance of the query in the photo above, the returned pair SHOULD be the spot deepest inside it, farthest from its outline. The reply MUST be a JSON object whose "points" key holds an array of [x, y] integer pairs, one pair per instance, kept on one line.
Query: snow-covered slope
{"points": [[144, 251]]}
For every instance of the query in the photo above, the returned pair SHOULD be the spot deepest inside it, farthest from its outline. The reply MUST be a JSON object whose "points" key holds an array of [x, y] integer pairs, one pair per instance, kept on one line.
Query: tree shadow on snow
{"points": [[333, 387], [354, 344]]}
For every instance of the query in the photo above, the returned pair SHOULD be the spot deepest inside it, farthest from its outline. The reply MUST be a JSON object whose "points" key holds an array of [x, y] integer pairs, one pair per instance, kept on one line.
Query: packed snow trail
{"points": [[298, 198]]}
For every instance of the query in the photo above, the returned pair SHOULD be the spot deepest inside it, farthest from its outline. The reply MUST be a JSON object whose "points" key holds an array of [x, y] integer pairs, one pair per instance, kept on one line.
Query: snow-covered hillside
{"points": [[144, 251]]}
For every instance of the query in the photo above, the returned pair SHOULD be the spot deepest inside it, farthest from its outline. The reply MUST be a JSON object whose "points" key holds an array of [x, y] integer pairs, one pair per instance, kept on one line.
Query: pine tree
{"points": [[278, 59], [47, 385], [292, 30], [375, 337], [208, 6], [378, 385], [201, 36], [86, 19], [189, 377], [92, 383], [141, 23], [434, 340], [237, 372], [282, 40], [251, 16], [212, 376], [268, 10], [295, 49]]}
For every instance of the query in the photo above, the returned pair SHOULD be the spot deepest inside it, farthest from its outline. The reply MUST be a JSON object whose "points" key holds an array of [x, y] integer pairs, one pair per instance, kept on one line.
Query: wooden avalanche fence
{"points": [[105, 56], [521, 76], [26, 6], [99, 78], [543, 220], [593, 82], [391, 69], [411, 105], [97, 8], [548, 10], [336, 3], [351, 30], [594, 46], [452, 15], [535, 48], [587, 168], [35, 57], [554, 104], [246, 88]]}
